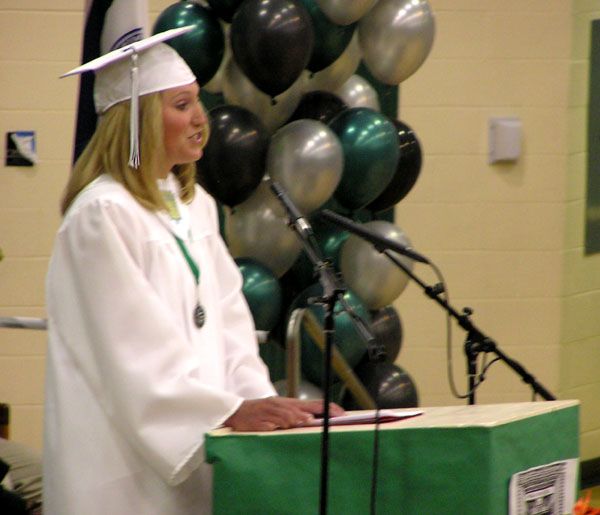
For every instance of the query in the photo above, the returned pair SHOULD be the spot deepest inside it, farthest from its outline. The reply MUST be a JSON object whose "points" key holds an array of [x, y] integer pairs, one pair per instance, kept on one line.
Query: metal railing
{"points": [[304, 318], [300, 319], [40, 324]]}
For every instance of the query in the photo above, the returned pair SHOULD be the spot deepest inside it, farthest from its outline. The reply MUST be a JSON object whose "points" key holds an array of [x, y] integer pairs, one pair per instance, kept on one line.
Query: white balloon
{"points": [[396, 36], [239, 90], [306, 391], [306, 158], [369, 273], [358, 92], [332, 77], [345, 12], [257, 228]]}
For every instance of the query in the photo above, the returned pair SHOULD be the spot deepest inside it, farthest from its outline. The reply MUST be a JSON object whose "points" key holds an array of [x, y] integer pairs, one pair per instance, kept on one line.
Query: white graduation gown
{"points": [[132, 385]]}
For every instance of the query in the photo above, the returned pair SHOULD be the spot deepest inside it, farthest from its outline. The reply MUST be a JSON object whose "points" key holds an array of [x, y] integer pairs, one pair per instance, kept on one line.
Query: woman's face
{"points": [[185, 124]]}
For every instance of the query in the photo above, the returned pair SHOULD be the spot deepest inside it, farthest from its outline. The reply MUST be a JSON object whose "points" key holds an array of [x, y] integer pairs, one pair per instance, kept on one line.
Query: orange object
{"points": [[582, 506]]}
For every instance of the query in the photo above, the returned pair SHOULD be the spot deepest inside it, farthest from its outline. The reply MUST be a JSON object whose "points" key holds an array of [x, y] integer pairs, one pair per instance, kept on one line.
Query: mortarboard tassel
{"points": [[134, 140]]}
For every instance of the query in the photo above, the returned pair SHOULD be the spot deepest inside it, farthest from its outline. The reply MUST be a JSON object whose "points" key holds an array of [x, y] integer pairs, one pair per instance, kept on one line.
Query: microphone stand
{"points": [[476, 341], [333, 292]]}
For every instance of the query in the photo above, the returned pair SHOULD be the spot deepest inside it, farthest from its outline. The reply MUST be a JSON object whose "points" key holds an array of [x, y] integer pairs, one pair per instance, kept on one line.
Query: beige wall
{"points": [[508, 238], [39, 40]]}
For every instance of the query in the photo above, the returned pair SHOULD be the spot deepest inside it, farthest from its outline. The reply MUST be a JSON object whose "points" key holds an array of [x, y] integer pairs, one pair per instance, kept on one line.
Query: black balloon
{"points": [[225, 9], [234, 158], [272, 41], [387, 329], [407, 171], [389, 385], [319, 105]]}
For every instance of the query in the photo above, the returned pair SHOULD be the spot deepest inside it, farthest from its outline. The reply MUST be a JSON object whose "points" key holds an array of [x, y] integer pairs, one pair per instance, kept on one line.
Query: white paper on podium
{"points": [[366, 417], [546, 490]]}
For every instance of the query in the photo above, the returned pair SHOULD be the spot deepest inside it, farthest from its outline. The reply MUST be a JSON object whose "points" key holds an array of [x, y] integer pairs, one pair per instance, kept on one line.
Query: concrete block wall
{"points": [[39, 41], [506, 237]]}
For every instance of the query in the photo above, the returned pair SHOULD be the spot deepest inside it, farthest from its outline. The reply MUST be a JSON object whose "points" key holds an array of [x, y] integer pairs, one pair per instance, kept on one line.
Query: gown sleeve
{"points": [[246, 372], [127, 345]]}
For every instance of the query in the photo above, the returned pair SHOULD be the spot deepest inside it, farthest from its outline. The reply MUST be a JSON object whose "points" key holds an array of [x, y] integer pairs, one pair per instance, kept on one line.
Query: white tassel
{"points": [[134, 125]]}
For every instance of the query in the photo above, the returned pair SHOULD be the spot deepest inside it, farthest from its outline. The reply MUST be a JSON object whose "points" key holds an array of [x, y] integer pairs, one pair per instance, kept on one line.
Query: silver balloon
{"points": [[306, 158], [369, 273], [332, 77], [239, 90], [396, 36], [257, 228], [358, 92], [345, 12], [306, 391]]}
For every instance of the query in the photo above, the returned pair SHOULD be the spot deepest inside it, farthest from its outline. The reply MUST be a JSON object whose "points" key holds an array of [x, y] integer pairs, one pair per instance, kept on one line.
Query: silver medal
{"points": [[199, 316]]}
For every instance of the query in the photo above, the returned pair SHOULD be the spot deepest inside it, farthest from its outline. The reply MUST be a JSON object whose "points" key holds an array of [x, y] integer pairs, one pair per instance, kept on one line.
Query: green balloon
{"points": [[203, 47], [333, 204], [273, 354], [330, 39], [346, 338], [210, 100], [222, 216], [330, 239], [262, 291], [371, 152], [358, 215]]}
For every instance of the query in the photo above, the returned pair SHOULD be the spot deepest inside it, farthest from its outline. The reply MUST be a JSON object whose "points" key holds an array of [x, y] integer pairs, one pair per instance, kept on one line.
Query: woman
{"points": [[151, 343]]}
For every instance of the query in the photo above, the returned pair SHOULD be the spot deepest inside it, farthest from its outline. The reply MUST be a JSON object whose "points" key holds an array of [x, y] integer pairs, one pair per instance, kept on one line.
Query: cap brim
{"points": [[126, 51]]}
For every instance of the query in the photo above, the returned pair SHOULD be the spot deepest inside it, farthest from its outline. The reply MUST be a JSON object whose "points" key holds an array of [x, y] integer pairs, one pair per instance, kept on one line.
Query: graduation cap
{"points": [[140, 68]]}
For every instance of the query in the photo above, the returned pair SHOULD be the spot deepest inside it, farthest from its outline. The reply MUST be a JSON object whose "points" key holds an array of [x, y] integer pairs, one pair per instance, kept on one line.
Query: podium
{"points": [[452, 460]]}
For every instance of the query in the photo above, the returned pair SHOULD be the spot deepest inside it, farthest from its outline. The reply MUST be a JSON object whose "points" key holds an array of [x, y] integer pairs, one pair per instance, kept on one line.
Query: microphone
{"points": [[380, 242], [295, 216]]}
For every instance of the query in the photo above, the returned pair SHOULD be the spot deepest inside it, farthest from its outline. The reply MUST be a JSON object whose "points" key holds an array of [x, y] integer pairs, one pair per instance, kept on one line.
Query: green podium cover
{"points": [[451, 460]]}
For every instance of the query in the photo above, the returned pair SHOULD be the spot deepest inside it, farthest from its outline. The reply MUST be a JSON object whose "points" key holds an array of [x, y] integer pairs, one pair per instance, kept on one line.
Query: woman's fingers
{"points": [[265, 415], [335, 410], [277, 413]]}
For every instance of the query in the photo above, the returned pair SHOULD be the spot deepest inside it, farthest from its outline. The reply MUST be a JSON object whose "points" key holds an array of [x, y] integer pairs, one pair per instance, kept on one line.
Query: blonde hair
{"points": [[108, 152]]}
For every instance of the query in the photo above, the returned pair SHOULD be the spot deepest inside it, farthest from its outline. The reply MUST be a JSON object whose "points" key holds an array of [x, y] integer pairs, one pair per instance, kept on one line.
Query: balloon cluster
{"points": [[293, 89]]}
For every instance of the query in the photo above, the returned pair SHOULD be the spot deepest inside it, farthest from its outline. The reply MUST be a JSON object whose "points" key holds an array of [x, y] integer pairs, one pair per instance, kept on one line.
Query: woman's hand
{"points": [[277, 413]]}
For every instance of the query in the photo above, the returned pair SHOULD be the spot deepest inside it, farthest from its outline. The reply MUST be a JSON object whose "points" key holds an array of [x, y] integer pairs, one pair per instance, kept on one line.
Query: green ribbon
{"points": [[190, 261]]}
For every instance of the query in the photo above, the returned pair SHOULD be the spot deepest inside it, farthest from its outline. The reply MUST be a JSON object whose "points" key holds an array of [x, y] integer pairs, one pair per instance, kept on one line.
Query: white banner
{"points": [[546, 490], [126, 21]]}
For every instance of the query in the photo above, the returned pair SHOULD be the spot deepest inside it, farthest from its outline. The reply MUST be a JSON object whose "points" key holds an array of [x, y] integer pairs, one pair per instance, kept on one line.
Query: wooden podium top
{"points": [[479, 415]]}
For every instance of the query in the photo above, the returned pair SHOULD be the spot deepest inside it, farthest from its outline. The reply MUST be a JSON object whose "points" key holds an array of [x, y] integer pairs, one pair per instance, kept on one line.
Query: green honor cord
{"points": [[190, 261], [199, 314]]}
